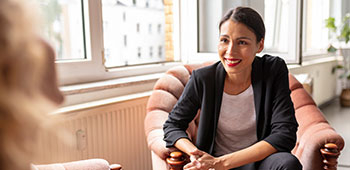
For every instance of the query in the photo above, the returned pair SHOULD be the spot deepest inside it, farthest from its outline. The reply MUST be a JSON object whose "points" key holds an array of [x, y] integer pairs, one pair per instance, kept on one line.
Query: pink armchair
{"points": [[89, 164], [318, 145]]}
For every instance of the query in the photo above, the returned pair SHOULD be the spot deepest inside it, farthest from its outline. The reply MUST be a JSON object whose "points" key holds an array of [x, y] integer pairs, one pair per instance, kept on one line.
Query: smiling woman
{"points": [[252, 93]]}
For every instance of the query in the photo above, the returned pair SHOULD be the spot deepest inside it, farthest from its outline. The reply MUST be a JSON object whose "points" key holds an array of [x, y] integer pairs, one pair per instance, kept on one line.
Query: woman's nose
{"points": [[230, 49]]}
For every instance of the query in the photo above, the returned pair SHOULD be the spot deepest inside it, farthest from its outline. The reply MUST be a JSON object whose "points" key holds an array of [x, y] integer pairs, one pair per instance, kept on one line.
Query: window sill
{"points": [[89, 92], [314, 62], [97, 103], [109, 84]]}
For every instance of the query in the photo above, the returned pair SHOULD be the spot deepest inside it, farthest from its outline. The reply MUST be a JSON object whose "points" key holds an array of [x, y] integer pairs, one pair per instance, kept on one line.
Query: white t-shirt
{"points": [[237, 123]]}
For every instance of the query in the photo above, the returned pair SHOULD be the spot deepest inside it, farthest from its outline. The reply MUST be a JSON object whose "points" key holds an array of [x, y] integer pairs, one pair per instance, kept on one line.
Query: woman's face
{"points": [[237, 47]]}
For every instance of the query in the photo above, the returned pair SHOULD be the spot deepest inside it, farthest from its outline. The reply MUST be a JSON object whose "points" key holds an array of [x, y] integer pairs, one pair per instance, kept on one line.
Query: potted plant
{"points": [[342, 34]]}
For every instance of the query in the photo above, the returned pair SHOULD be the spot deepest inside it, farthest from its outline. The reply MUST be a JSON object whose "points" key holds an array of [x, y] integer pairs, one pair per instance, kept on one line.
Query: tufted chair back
{"points": [[313, 133]]}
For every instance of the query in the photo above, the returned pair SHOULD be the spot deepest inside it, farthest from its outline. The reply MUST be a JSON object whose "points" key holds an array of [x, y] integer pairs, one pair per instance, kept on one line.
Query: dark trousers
{"points": [[276, 161]]}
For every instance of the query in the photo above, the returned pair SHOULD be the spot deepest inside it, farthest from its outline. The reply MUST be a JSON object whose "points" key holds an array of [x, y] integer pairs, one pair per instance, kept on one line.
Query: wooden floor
{"points": [[339, 118]]}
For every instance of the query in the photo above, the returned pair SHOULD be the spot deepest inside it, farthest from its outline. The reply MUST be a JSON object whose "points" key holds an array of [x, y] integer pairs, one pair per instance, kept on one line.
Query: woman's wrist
{"points": [[221, 162]]}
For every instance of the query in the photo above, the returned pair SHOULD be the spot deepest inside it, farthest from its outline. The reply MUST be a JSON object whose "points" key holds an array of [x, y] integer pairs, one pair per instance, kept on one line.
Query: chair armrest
{"points": [[93, 164], [312, 140]]}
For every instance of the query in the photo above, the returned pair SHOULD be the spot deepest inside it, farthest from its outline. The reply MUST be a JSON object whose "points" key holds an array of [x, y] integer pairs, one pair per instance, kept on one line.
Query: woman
{"points": [[28, 86], [247, 117]]}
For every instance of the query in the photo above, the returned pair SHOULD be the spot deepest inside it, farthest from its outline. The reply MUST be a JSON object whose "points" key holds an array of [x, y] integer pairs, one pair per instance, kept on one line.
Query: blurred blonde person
{"points": [[28, 86]]}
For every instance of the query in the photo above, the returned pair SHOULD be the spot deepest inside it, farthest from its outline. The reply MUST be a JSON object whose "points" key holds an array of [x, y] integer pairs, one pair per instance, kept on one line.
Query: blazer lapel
{"points": [[219, 88], [257, 83]]}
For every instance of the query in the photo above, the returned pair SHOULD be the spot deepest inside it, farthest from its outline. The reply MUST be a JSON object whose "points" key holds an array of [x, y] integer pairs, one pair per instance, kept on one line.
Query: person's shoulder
{"points": [[271, 59]]}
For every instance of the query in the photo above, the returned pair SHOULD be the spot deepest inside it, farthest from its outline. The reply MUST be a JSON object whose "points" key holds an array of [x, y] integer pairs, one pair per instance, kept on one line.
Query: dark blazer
{"points": [[276, 123]]}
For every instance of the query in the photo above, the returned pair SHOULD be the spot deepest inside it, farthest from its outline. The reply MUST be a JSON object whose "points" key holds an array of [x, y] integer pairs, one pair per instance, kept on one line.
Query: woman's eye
{"points": [[242, 42], [224, 40]]}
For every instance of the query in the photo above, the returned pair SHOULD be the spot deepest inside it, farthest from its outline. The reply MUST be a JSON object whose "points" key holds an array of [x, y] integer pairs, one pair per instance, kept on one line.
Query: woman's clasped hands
{"points": [[203, 161]]}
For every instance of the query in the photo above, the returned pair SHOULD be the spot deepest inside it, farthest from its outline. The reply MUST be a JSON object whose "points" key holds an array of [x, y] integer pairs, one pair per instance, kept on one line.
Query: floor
{"points": [[339, 118]]}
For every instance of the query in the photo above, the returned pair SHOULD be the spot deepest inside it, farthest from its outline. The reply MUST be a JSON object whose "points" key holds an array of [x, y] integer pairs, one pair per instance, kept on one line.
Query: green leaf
{"points": [[345, 33], [331, 49], [347, 75], [339, 66], [330, 24], [345, 29], [336, 68], [333, 70]]}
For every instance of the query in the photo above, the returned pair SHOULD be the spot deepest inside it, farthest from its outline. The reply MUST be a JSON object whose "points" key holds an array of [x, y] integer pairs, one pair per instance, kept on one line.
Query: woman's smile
{"points": [[231, 62]]}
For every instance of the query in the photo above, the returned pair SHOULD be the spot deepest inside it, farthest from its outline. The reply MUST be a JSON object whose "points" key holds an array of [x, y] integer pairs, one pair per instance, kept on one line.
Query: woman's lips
{"points": [[232, 62]]}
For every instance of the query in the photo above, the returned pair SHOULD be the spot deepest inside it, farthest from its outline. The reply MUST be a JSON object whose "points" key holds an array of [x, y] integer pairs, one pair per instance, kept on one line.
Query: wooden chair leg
{"points": [[176, 161], [330, 154]]}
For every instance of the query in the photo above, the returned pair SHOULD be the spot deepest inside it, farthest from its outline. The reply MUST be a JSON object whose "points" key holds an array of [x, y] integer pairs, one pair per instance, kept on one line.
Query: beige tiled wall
{"points": [[169, 47]]}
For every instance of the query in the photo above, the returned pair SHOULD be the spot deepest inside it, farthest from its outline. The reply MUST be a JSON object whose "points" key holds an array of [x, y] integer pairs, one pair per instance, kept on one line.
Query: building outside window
{"points": [[120, 18], [63, 27]]}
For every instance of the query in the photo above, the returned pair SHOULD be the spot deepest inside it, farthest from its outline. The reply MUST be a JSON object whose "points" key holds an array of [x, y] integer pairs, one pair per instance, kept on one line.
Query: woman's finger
{"points": [[191, 167]]}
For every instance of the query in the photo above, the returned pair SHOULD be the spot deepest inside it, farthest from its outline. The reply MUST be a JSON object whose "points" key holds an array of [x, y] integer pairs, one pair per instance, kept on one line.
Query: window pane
{"points": [[133, 32], [277, 25], [63, 27], [209, 14], [282, 29], [316, 34]]}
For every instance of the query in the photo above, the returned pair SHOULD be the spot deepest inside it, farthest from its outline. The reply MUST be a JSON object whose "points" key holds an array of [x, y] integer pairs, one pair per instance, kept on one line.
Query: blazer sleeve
{"points": [[283, 122], [183, 113]]}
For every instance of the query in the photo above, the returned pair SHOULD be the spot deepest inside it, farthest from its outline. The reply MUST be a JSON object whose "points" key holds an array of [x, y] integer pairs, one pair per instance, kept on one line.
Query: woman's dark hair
{"points": [[248, 17]]}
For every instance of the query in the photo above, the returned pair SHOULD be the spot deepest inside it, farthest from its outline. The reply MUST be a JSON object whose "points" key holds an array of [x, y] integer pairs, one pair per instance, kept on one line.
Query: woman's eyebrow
{"points": [[243, 38], [224, 35], [238, 38]]}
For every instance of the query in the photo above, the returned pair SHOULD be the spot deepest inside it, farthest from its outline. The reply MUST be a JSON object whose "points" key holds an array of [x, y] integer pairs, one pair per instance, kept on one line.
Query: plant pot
{"points": [[345, 98]]}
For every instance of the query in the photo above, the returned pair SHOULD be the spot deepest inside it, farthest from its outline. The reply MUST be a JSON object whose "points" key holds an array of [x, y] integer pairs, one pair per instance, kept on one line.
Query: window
{"points": [[132, 14], [315, 32], [277, 25], [63, 27], [282, 28], [107, 39]]}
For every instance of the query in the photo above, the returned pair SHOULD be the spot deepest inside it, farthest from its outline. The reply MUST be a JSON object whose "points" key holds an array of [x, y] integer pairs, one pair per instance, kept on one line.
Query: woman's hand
{"points": [[203, 161]]}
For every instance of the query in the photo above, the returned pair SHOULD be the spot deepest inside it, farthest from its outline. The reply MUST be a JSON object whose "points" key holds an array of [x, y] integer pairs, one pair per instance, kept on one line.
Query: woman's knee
{"points": [[291, 162], [281, 161]]}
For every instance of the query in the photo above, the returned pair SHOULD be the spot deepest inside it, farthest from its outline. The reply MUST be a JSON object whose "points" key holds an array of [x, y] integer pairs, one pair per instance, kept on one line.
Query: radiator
{"points": [[114, 132]]}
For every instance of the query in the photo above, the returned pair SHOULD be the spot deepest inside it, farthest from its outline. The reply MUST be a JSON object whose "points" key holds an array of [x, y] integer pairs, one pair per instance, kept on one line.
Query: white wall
{"points": [[324, 82]]}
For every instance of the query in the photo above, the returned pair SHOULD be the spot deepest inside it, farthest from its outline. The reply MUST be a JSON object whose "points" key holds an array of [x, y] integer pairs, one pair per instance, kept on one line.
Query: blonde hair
{"points": [[25, 63]]}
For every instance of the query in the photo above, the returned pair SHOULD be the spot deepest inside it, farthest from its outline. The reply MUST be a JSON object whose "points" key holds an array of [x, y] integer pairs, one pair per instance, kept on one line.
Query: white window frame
{"points": [[311, 54], [189, 34], [338, 8], [92, 68], [294, 37]]}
